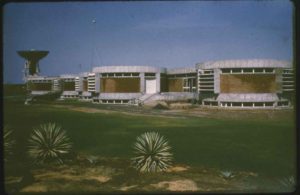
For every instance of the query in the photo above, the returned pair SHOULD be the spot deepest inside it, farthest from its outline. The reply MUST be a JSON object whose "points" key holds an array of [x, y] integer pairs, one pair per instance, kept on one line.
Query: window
{"points": [[150, 74]]}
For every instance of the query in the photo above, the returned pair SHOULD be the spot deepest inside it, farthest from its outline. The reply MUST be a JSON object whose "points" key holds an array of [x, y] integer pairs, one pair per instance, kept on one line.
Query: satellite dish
{"points": [[32, 59]]}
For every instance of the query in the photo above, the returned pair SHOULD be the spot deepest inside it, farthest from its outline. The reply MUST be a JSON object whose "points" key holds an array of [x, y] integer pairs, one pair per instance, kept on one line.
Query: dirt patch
{"points": [[182, 110], [101, 174], [180, 105], [126, 188], [178, 169], [37, 187], [104, 111], [177, 185]]}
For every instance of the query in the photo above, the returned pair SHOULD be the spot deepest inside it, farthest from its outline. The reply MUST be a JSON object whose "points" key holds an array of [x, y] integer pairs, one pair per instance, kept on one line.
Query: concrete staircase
{"points": [[144, 98]]}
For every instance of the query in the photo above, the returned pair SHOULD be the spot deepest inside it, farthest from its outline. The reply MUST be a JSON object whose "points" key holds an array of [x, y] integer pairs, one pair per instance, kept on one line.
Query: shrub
{"points": [[288, 183], [152, 153], [8, 142], [49, 143], [227, 174]]}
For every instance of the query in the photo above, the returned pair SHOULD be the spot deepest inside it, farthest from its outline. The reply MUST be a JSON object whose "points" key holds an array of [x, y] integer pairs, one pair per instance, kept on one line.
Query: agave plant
{"points": [[49, 143], [227, 174], [8, 141], [152, 153], [288, 182]]}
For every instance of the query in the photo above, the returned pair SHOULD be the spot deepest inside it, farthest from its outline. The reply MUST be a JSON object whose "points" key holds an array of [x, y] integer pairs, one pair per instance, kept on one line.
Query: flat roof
{"points": [[116, 69], [247, 63]]}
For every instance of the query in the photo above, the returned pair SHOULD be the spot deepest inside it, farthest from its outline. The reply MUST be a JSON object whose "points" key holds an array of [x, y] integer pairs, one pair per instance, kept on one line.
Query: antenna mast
{"points": [[93, 42]]}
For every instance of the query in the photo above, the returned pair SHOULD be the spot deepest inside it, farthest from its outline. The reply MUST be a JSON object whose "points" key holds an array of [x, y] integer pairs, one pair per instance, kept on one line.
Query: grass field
{"points": [[262, 145], [266, 146]]}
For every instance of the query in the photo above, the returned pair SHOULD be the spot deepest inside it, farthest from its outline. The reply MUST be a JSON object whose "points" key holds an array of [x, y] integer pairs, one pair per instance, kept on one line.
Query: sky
{"points": [[83, 35]]}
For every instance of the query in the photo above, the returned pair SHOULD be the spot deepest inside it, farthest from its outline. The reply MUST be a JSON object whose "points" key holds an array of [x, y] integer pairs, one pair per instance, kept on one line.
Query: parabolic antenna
{"points": [[32, 60]]}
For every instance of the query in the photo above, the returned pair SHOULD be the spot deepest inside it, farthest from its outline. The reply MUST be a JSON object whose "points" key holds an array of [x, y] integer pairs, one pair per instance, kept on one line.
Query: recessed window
{"points": [[150, 74]]}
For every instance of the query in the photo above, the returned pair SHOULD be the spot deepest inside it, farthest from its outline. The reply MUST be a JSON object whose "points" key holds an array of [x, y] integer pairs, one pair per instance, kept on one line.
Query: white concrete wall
{"points": [[252, 63]]}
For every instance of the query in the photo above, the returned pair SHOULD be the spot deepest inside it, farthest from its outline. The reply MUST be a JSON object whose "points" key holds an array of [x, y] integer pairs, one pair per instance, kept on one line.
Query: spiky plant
{"points": [[288, 182], [152, 153], [49, 143], [227, 174], [8, 141]]}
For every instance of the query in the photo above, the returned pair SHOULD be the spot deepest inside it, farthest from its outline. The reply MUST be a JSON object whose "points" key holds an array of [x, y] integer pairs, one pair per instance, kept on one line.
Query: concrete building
{"points": [[245, 83], [125, 84], [67, 82], [254, 83]]}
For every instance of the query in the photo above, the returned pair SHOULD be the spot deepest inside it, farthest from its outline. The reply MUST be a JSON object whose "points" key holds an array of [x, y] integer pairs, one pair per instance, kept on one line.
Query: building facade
{"points": [[255, 83]]}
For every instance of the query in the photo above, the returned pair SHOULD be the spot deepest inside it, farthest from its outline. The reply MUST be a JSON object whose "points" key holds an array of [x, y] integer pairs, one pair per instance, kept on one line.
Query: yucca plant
{"points": [[152, 153], [8, 141], [227, 174], [288, 182], [49, 143]]}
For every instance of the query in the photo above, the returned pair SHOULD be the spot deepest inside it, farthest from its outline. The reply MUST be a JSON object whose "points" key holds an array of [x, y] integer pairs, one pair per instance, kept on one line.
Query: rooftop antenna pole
{"points": [[93, 42]]}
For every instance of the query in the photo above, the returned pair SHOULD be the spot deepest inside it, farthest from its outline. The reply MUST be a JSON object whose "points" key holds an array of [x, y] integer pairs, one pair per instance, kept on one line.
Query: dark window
{"points": [[269, 69], [127, 74], [258, 70], [260, 104], [239, 104], [236, 70], [206, 103], [269, 103], [206, 76], [225, 70], [150, 74], [247, 104], [206, 87], [247, 69]]}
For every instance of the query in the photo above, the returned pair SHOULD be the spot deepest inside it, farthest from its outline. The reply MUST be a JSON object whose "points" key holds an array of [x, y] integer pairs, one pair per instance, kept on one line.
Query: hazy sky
{"points": [[162, 34]]}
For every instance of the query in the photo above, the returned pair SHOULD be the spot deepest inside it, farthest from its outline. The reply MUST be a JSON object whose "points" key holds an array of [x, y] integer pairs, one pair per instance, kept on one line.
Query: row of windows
{"points": [[247, 70], [41, 81], [193, 75], [70, 96], [112, 101], [245, 104], [69, 80], [120, 74]]}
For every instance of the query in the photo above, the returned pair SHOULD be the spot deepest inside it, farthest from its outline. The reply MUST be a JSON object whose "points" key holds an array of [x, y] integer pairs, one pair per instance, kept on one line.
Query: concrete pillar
{"points": [[157, 75], [98, 81], [142, 82]]}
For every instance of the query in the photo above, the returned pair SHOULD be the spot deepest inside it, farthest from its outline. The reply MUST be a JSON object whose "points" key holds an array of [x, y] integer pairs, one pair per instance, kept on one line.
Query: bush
{"points": [[152, 153], [49, 143]]}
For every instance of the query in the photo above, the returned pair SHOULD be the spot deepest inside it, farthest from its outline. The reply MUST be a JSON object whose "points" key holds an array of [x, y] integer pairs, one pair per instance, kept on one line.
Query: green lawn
{"points": [[263, 146]]}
